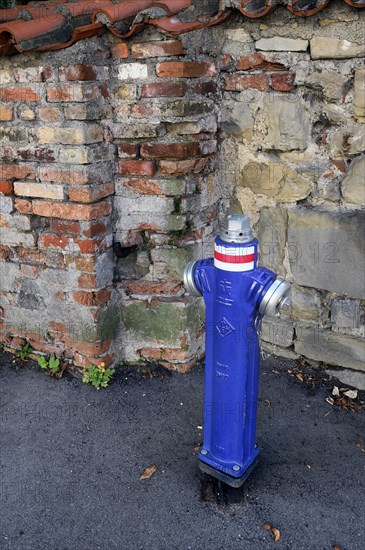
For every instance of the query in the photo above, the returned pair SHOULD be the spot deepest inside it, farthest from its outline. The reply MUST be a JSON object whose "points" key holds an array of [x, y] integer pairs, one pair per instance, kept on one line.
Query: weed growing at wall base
{"points": [[51, 365], [98, 376], [24, 353]]}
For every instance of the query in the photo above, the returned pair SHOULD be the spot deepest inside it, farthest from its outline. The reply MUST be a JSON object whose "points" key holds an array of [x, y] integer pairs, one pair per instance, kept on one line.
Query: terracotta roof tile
{"points": [[58, 24]]}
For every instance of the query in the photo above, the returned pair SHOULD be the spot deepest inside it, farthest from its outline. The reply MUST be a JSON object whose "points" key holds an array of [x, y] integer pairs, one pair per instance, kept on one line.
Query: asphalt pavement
{"points": [[72, 457]]}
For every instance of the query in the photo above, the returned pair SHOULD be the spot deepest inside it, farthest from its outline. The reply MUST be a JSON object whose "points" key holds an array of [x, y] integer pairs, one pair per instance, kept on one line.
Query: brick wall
{"points": [[145, 143]]}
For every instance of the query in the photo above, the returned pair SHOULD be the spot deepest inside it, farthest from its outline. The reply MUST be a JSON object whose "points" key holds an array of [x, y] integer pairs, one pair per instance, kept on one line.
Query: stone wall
{"points": [[144, 143]]}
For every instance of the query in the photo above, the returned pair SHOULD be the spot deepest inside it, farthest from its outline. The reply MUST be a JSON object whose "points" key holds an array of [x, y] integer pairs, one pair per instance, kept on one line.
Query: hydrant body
{"points": [[237, 293]]}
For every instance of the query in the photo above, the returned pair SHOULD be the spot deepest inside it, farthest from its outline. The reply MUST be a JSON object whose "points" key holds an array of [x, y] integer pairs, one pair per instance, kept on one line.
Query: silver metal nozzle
{"points": [[276, 297], [189, 281]]}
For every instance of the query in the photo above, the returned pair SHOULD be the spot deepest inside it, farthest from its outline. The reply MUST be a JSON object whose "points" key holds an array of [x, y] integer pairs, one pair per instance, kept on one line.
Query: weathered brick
{"points": [[86, 154], [238, 83], [283, 82], [132, 71], [170, 150], [88, 195], [77, 175], [185, 69], [21, 94], [26, 113], [141, 110], [6, 188], [167, 354], [136, 168], [34, 74], [85, 111], [92, 298], [49, 114], [182, 167], [16, 172], [73, 92], [70, 211], [85, 263], [6, 113], [64, 175], [87, 280], [119, 51], [128, 150], [13, 133], [205, 88], [257, 61], [23, 206], [70, 136], [61, 227], [122, 111], [48, 240], [39, 257], [42, 190], [137, 131], [94, 229], [126, 91], [143, 186], [37, 154], [83, 72], [157, 49], [163, 89]]}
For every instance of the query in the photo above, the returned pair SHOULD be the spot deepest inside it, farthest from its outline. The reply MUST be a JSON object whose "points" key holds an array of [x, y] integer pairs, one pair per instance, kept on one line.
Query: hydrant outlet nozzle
{"points": [[189, 281], [276, 297]]}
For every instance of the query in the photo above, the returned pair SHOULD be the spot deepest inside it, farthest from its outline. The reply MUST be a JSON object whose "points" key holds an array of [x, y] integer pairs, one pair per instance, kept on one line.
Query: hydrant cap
{"points": [[237, 229]]}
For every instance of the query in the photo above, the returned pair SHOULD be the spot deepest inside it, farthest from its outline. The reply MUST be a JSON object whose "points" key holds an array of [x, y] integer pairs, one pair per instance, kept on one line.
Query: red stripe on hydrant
{"points": [[234, 259]]}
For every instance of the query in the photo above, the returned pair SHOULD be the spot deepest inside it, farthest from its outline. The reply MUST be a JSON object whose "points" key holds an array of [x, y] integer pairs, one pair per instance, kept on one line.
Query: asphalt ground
{"points": [[72, 457]]}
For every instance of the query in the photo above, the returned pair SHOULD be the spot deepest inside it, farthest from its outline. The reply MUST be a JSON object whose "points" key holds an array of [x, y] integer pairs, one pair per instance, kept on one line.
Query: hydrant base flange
{"points": [[235, 482]]}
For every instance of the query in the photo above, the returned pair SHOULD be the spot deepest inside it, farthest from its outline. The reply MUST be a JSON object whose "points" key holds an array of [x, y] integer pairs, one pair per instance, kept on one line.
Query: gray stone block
{"points": [[237, 119], [287, 122], [282, 44], [335, 48], [345, 313], [331, 348], [353, 184], [359, 94], [277, 332], [272, 230], [347, 141], [305, 303], [326, 250]]}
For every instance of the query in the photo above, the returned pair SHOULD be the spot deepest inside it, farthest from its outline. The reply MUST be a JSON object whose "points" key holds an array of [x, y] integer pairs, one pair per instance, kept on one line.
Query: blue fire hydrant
{"points": [[237, 294]]}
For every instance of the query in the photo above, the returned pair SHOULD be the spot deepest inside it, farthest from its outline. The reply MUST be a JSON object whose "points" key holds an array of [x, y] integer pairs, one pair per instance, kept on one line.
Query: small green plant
{"points": [[148, 244], [24, 353], [98, 376], [2, 346], [177, 205], [51, 364]]}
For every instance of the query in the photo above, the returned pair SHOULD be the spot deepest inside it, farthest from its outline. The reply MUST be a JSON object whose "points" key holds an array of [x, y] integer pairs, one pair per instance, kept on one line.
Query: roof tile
{"points": [[58, 24]]}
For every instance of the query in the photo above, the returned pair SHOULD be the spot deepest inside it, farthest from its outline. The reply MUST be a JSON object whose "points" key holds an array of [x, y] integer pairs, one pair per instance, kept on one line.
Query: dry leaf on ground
{"points": [[268, 527], [276, 534], [148, 472]]}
